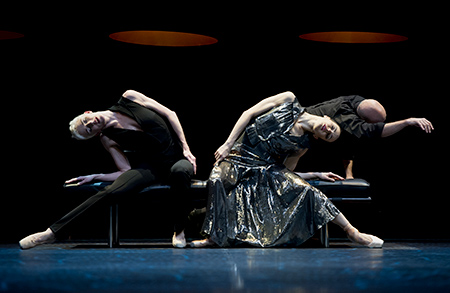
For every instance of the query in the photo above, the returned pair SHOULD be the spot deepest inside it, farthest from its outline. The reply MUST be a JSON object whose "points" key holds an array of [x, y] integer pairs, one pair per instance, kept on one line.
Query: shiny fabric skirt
{"points": [[264, 206]]}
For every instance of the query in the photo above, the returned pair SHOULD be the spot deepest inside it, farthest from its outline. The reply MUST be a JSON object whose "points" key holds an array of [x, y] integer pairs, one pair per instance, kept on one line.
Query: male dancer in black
{"points": [[363, 118]]}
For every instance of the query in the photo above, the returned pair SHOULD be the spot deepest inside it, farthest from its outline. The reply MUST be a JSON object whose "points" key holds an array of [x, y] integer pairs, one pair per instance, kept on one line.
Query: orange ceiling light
{"points": [[6, 35], [353, 37], [163, 38]]}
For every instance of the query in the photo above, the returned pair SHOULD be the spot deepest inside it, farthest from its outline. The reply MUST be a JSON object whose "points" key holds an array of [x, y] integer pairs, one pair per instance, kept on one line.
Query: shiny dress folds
{"points": [[254, 198]]}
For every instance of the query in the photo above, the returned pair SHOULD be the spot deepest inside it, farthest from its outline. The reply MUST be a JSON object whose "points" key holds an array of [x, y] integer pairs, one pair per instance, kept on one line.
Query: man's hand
{"points": [[423, 123]]}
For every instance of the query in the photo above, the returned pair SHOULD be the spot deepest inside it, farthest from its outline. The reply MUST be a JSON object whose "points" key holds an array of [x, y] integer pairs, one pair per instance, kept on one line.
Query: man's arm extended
{"points": [[394, 127]]}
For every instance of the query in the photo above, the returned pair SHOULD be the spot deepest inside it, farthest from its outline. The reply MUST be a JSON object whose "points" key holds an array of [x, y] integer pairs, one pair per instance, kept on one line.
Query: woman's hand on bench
{"points": [[110, 177], [327, 176], [81, 180]]}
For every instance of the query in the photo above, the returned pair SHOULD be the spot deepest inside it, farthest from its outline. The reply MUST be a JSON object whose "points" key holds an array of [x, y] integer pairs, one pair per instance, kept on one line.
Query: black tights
{"points": [[133, 181]]}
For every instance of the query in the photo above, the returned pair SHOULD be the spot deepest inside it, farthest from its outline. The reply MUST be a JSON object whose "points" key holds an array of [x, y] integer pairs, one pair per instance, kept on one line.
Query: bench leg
{"points": [[113, 240], [324, 240]]}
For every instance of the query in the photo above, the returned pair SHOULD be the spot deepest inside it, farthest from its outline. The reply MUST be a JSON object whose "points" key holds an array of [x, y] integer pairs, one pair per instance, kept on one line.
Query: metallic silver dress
{"points": [[254, 198]]}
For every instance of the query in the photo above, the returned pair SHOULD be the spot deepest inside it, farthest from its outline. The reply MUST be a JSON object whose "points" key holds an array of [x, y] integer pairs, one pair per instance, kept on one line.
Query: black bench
{"points": [[352, 190]]}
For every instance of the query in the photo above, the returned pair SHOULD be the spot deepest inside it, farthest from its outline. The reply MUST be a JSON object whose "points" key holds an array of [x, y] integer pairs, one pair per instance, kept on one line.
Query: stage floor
{"points": [[398, 267]]}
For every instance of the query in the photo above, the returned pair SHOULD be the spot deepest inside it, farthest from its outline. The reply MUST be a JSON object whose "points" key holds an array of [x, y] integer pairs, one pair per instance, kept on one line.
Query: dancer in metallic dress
{"points": [[254, 195]]}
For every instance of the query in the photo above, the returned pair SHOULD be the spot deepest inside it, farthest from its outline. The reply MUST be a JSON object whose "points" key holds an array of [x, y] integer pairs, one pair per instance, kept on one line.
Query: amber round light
{"points": [[353, 37], [5, 35], [163, 38]]}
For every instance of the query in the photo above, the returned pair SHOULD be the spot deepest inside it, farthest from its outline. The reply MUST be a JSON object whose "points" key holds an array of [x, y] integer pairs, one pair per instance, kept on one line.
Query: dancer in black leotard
{"points": [[153, 132]]}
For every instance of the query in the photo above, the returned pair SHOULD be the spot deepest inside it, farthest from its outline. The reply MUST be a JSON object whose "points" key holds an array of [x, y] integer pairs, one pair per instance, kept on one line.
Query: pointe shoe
{"points": [[202, 243], [178, 241], [36, 239], [376, 242], [356, 237]]}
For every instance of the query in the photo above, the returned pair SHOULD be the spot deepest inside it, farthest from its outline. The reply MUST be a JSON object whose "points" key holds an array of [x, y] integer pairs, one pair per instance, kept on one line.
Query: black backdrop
{"points": [[66, 64]]}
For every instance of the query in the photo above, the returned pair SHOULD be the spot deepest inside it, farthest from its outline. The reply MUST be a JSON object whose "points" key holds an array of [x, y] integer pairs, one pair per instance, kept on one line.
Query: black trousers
{"points": [[132, 182]]}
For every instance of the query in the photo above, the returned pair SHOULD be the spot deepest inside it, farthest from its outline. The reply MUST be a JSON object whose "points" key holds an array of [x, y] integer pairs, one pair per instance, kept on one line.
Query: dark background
{"points": [[66, 64]]}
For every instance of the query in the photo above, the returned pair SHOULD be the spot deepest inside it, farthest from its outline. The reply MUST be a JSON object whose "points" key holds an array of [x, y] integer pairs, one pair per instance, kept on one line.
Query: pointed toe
{"points": [[33, 240], [376, 242]]}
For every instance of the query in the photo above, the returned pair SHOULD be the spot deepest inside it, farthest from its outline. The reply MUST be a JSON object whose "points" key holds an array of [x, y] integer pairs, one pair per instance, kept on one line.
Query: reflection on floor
{"points": [[398, 267]]}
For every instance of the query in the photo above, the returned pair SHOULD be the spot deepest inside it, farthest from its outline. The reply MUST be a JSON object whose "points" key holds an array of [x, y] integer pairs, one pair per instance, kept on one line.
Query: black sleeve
{"points": [[360, 128]]}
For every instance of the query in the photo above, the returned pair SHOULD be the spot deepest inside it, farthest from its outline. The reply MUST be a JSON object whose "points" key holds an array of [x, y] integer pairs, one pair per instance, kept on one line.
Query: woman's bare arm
{"points": [[327, 176], [261, 107]]}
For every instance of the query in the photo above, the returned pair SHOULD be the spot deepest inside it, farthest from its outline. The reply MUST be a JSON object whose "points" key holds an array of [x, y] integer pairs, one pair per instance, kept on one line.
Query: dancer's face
{"points": [[90, 124], [326, 129]]}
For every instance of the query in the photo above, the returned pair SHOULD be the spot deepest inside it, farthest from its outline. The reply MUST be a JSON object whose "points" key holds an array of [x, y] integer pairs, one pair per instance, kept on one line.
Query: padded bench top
{"points": [[348, 183], [349, 189]]}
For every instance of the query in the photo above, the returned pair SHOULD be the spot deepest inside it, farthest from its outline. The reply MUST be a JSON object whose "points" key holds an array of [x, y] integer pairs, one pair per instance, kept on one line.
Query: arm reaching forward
{"points": [[394, 127]]}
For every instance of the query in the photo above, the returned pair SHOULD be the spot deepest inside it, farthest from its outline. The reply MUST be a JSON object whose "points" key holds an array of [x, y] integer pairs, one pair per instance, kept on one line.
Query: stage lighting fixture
{"points": [[6, 35], [353, 37], [163, 38]]}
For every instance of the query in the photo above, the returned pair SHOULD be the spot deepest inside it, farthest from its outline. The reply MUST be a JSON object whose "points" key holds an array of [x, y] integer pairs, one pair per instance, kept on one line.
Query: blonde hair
{"points": [[73, 128]]}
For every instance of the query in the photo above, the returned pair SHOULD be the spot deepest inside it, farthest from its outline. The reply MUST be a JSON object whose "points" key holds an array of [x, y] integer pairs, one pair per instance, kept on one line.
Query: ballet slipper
{"points": [[203, 243], [376, 242], [36, 239], [179, 241], [363, 239]]}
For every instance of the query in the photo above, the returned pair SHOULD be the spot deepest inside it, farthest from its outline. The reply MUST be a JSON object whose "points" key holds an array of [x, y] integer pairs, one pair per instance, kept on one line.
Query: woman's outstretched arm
{"points": [[327, 176], [261, 107]]}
